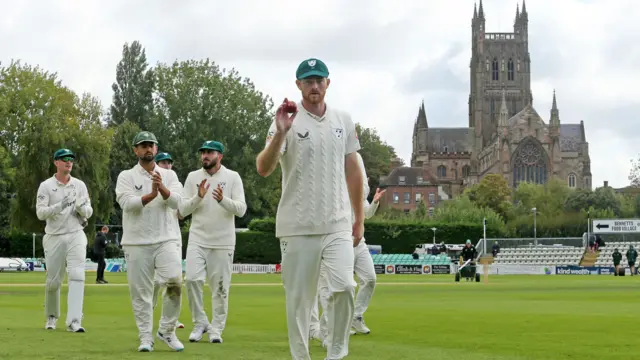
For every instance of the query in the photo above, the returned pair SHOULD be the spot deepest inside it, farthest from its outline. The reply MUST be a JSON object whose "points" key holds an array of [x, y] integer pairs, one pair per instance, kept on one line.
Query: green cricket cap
{"points": [[163, 156], [468, 241], [312, 67], [144, 136], [212, 145], [63, 153]]}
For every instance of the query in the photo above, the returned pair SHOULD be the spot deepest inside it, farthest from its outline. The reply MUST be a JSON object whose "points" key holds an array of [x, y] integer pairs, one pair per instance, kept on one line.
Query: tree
{"points": [[41, 115], [634, 174], [121, 157], [462, 210], [7, 189], [492, 192], [133, 89], [197, 101], [549, 198], [376, 155]]}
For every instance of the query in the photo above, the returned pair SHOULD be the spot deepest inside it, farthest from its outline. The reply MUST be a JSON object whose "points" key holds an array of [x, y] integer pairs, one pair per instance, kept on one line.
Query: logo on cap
{"points": [[311, 63]]}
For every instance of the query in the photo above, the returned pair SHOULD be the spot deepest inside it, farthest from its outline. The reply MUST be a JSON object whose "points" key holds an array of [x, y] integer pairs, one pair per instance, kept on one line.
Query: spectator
{"points": [[495, 249], [434, 250], [632, 255], [443, 248], [99, 249], [599, 242], [617, 257]]}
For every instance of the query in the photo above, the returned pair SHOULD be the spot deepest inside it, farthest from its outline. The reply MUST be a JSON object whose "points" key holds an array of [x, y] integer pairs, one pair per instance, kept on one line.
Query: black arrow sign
{"points": [[601, 226]]}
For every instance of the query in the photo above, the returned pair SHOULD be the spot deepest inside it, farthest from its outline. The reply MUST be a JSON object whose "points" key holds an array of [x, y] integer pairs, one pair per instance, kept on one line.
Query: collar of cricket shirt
{"points": [[143, 171], [59, 183], [217, 172]]}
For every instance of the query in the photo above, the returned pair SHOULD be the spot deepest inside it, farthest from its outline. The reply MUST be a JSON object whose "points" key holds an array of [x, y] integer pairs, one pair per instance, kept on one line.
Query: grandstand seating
{"points": [[605, 254], [407, 259], [540, 255]]}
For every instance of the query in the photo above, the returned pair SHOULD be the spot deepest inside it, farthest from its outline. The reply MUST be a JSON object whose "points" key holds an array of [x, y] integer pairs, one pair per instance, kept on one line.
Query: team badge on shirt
{"points": [[337, 132], [222, 184]]}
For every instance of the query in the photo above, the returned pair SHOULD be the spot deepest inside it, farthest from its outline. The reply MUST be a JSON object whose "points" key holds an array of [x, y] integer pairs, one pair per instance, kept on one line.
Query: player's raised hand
{"points": [[378, 194], [285, 114], [203, 188], [217, 193]]}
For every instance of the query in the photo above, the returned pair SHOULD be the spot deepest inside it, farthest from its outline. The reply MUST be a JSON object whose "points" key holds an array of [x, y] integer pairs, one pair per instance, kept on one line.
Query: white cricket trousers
{"points": [[143, 263], [60, 250], [366, 273], [302, 257], [215, 266]]}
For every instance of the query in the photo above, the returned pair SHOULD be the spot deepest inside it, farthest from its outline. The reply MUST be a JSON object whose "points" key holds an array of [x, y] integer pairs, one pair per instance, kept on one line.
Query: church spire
{"points": [[517, 13], [481, 11], [524, 10], [421, 121], [475, 12], [504, 112], [555, 113]]}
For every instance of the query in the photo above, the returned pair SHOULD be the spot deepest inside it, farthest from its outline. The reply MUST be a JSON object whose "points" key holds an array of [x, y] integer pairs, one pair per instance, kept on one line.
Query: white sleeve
{"points": [[352, 141], [235, 203], [43, 210], [126, 195]]}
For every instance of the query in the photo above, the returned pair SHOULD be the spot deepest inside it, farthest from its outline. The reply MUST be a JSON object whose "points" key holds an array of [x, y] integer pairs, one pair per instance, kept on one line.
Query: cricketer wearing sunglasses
{"points": [[63, 202]]}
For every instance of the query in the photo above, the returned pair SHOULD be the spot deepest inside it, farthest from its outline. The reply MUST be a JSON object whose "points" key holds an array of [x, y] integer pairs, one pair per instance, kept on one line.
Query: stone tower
{"points": [[498, 60]]}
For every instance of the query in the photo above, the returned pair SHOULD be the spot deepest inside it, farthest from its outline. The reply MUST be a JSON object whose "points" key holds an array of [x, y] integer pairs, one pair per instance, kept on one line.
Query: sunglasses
{"points": [[66, 159]]}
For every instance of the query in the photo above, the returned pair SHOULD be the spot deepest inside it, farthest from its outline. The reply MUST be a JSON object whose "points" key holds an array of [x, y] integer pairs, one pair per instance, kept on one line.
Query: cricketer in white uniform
{"points": [[63, 202], [316, 148], [149, 196], [165, 161], [364, 269], [212, 240]]}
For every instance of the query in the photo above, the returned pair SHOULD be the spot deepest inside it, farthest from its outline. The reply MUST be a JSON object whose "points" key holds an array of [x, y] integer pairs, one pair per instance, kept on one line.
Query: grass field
{"points": [[411, 317]]}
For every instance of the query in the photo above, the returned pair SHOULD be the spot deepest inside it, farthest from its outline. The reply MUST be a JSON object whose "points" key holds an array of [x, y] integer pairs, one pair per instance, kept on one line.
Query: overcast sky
{"points": [[384, 59]]}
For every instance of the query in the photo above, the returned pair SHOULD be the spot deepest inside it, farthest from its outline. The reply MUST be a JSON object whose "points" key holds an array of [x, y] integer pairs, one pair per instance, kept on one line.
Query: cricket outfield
{"points": [[411, 317]]}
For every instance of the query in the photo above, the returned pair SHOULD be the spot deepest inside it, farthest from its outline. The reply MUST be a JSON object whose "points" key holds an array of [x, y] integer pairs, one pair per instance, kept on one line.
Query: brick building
{"points": [[408, 186]]}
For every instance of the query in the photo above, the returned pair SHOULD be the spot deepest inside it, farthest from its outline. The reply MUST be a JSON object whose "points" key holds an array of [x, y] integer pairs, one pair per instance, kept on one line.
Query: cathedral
{"points": [[505, 135]]}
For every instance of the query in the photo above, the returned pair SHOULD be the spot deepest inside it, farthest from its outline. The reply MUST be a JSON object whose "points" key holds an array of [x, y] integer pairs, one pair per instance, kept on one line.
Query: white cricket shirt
{"points": [[157, 221], [213, 222], [315, 198], [49, 205]]}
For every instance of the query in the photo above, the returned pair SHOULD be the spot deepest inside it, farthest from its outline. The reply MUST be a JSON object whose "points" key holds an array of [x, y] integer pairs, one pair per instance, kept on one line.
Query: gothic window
{"points": [[494, 70], [510, 75], [572, 180], [466, 170], [442, 171], [530, 163], [493, 110], [518, 68]]}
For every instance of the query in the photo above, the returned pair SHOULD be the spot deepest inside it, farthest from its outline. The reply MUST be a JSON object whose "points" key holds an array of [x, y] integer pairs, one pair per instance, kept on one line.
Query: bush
{"points": [[401, 236]]}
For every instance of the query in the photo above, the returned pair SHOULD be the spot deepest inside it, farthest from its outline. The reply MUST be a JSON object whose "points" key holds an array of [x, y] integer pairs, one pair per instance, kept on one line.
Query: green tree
{"points": [[492, 192], [133, 89], [121, 157], [7, 189], [197, 101], [376, 155], [41, 115], [549, 198]]}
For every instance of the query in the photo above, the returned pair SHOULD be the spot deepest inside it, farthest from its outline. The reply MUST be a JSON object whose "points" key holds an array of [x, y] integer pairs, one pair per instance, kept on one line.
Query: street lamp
{"points": [[434, 235], [535, 230]]}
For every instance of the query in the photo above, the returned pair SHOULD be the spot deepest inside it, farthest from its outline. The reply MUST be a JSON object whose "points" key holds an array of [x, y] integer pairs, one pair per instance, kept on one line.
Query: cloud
{"points": [[384, 59]]}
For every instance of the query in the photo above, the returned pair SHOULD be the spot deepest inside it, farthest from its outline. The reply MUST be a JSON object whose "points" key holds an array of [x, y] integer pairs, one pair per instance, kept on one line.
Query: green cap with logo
{"points": [[144, 136], [62, 153], [312, 67], [468, 241], [212, 145], [163, 156]]}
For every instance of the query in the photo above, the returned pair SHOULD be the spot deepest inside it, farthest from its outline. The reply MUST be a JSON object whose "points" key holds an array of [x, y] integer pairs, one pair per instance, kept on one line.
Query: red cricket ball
{"points": [[290, 106]]}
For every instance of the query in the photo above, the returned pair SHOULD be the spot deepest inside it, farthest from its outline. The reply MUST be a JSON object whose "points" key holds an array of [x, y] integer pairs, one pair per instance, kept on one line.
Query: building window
{"points": [[514, 107], [530, 163], [510, 75], [407, 198], [431, 210], [466, 170], [442, 171], [401, 180], [396, 198], [572, 180], [432, 198], [494, 70], [420, 179], [418, 197]]}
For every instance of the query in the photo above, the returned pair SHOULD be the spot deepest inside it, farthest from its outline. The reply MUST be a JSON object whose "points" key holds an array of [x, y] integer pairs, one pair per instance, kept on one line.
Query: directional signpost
{"points": [[615, 226]]}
